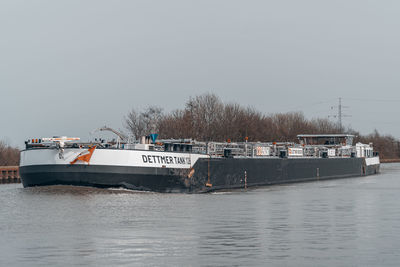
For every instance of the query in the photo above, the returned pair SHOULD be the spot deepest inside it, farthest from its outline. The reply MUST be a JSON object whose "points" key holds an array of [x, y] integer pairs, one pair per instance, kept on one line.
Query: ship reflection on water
{"points": [[79, 190], [334, 223]]}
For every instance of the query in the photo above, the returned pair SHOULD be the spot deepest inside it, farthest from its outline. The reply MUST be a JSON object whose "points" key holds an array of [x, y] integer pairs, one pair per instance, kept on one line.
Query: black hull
{"points": [[222, 174], [235, 173], [137, 178]]}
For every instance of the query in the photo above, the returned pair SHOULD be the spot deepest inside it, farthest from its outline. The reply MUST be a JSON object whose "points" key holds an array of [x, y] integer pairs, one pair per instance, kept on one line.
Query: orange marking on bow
{"points": [[85, 157]]}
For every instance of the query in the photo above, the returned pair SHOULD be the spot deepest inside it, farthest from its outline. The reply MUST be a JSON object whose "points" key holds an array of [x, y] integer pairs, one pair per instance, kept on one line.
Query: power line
{"points": [[305, 105], [373, 99]]}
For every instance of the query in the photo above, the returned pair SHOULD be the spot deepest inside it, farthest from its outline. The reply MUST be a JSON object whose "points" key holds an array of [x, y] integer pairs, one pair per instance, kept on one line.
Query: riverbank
{"points": [[9, 174], [390, 160]]}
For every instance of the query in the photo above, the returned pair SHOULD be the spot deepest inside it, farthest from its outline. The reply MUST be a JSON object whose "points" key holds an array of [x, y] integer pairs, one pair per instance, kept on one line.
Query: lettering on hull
{"points": [[151, 159]]}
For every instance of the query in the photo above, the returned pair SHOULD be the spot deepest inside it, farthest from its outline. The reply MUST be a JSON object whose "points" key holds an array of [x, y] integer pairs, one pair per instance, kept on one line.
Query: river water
{"points": [[346, 222]]}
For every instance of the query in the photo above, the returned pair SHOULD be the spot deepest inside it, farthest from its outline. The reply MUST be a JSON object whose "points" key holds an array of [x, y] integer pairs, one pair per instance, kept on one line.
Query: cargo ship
{"points": [[186, 165]]}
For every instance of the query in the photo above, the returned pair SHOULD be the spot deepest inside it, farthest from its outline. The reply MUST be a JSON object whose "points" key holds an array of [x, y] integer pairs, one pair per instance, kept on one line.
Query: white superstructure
{"points": [[184, 153]]}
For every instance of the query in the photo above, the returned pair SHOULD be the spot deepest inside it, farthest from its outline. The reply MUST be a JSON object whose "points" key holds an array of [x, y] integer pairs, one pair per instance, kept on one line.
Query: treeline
{"points": [[9, 156], [206, 117], [387, 146]]}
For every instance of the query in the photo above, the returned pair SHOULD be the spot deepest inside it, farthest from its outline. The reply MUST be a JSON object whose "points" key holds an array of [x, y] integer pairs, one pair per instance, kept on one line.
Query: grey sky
{"points": [[68, 67]]}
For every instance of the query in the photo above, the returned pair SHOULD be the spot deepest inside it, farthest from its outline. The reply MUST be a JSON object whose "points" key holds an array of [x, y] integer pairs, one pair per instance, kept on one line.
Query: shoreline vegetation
{"points": [[9, 156], [207, 118]]}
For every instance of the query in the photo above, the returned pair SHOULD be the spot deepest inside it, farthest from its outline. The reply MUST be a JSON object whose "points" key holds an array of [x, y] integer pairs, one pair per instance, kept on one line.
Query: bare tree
{"points": [[204, 110], [143, 123], [9, 156], [387, 145], [325, 126], [177, 124]]}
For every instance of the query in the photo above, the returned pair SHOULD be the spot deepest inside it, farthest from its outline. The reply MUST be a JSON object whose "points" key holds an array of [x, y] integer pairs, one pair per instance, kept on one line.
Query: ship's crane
{"points": [[121, 136]]}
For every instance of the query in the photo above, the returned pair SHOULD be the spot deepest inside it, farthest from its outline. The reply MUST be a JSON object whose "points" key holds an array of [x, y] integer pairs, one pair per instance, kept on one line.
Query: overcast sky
{"points": [[68, 67]]}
